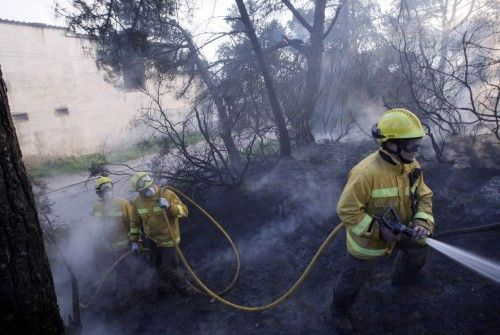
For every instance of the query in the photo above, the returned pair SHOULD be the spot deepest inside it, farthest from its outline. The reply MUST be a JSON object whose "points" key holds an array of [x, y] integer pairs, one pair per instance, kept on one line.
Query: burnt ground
{"points": [[278, 220]]}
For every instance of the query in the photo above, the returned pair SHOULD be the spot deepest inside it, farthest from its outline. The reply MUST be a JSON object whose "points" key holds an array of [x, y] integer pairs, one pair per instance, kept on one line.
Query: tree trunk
{"points": [[279, 119], [302, 120], [28, 302], [313, 75], [225, 124]]}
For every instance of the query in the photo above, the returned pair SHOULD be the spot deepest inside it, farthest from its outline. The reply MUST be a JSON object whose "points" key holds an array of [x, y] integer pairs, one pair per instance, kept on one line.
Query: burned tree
{"points": [[148, 32], [284, 140], [450, 76], [308, 52], [354, 64], [313, 50], [28, 302], [191, 147]]}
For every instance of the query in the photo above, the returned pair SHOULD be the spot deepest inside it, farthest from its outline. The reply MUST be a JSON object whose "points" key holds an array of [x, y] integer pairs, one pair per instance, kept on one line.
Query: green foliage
{"points": [[65, 165], [134, 152], [193, 138], [74, 164]]}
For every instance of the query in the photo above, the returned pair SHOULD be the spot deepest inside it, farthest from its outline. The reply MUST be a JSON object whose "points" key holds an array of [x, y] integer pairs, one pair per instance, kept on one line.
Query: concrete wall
{"points": [[48, 71]]}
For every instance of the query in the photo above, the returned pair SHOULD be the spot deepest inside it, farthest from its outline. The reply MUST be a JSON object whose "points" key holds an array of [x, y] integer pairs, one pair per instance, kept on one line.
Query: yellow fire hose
{"points": [[211, 219], [220, 228], [208, 291], [217, 297], [103, 280], [199, 282]]}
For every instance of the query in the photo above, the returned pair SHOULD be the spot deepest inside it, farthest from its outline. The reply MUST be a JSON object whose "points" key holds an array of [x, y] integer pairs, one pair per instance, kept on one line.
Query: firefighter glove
{"points": [[420, 232], [163, 203]]}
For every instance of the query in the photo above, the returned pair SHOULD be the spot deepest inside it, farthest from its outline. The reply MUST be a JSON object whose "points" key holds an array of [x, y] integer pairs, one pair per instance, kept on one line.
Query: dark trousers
{"points": [[409, 261], [164, 262]]}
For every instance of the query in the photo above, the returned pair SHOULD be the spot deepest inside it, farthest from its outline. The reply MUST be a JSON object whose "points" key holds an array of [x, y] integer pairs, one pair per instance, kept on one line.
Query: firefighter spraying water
{"points": [[385, 207]]}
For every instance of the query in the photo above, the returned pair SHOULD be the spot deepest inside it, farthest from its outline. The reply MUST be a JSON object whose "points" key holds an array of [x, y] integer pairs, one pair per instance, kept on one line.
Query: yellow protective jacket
{"points": [[146, 214], [116, 213], [376, 183]]}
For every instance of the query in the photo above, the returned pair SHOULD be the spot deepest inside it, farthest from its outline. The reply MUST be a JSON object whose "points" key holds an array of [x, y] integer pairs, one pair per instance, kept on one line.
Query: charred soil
{"points": [[278, 220]]}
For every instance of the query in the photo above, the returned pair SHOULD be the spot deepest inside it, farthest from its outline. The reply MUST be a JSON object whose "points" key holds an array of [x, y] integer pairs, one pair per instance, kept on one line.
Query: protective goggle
{"points": [[411, 146]]}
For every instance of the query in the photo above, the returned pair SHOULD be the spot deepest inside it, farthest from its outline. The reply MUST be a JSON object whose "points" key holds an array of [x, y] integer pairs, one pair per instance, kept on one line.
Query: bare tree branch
{"points": [[297, 14]]}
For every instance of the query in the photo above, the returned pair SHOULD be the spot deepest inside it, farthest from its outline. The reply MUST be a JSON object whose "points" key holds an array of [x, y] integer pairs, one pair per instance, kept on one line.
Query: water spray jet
{"points": [[484, 267]]}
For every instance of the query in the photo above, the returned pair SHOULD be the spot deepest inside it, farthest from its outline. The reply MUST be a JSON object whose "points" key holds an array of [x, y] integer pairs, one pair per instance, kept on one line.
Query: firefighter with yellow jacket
{"points": [[114, 212], [147, 216], [388, 178]]}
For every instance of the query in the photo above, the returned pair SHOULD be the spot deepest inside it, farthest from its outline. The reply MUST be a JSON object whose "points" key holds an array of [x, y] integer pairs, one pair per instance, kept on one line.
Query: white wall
{"points": [[46, 68]]}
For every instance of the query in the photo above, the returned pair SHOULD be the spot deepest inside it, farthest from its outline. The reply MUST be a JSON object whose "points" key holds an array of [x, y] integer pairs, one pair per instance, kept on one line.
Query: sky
{"points": [[207, 16], [41, 11]]}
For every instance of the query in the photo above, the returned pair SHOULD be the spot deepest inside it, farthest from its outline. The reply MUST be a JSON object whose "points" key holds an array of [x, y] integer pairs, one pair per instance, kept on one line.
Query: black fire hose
{"points": [[468, 230]]}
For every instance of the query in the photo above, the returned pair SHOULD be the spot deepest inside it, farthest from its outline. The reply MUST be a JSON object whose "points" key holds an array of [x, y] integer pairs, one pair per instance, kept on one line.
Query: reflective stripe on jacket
{"points": [[117, 214], [374, 185], [147, 214]]}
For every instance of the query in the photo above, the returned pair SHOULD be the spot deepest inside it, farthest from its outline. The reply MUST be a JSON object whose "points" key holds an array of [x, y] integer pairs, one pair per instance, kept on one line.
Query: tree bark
{"points": [[28, 302], [279, 119]]}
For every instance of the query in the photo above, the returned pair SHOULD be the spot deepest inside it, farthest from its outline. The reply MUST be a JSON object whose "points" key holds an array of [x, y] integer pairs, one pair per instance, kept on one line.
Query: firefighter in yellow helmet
{"points": [[388, 178], [147, 214], [113, 211]]}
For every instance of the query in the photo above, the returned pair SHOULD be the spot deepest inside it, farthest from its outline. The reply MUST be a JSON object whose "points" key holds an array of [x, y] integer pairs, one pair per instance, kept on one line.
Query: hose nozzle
{"points": [[390, 220]]}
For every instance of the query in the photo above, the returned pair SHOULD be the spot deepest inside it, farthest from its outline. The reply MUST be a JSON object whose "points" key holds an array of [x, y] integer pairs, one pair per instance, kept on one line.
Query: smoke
{"points": [[346, 118], [299, 198], [81, 242], [85, 250], [285, 213]]}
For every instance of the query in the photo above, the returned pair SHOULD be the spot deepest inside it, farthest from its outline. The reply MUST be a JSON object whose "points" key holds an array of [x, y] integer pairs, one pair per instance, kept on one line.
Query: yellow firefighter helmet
{"points": [[141, 181], [396, 124], [101, 181]]}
